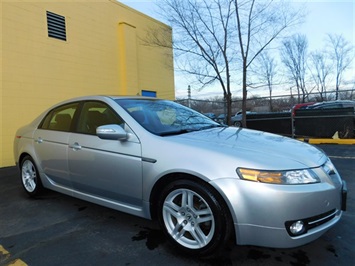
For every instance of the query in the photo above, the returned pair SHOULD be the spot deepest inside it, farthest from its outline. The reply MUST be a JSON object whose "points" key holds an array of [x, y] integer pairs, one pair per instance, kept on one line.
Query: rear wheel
{"points": [[192, 217], [30, 179]]}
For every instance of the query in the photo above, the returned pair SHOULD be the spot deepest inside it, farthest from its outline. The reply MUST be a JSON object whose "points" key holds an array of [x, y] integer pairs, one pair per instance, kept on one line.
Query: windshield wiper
{"points": [[183, 131], [211, 126], [176, 132]]}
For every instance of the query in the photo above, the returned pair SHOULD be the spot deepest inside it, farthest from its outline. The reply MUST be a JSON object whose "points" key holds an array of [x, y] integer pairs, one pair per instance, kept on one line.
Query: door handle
{"points": [[75, 146], [39, 140]]}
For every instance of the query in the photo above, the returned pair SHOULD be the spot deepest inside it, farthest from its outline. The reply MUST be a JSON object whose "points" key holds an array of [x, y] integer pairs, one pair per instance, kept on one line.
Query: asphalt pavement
{"points": [[55, 229]]}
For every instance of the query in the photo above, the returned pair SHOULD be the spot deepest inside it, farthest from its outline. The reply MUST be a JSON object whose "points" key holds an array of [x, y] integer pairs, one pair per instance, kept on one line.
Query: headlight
{"points": [[294, 177], [329, 167]]}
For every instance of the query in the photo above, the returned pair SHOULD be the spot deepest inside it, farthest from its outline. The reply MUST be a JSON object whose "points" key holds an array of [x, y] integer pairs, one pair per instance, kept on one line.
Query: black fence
{"points": [[319, 123], [278, 103], [278, 123], [324, 123]]}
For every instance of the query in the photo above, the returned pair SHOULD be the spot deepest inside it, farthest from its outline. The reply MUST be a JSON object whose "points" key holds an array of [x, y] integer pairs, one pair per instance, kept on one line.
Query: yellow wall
{"points": [[103, 54], [1, 108]]}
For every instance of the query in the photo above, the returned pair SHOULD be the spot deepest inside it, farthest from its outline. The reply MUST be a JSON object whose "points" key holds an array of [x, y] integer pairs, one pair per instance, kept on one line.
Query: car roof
{"points": [[333, 102], [137, 97], [299, 105], [100, 97], [112, 97]]}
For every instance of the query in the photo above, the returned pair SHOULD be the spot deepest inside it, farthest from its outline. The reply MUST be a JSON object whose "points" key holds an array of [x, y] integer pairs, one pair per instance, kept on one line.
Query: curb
{"points": [[328, 141]]}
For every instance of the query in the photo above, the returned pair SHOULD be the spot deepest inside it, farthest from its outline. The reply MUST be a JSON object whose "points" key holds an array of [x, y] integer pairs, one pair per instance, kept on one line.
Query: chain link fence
{"points": [[324, 123], [277, 116], [280, 103]]}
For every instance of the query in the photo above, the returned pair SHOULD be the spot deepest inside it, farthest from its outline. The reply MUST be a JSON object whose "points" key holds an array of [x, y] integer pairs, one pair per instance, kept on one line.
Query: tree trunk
{"points": [[245, 94]]}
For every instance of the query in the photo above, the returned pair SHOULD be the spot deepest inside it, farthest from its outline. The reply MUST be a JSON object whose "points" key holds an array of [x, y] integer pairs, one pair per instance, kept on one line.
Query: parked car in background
{"points": [[332, 104], [300, 106], [344, 123], [237, 119], [205, 183], [221, 119], [211, 116]]}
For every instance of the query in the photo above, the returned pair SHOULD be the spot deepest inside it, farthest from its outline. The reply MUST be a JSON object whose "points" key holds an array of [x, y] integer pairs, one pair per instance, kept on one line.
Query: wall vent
{"points": [[56, 26]]}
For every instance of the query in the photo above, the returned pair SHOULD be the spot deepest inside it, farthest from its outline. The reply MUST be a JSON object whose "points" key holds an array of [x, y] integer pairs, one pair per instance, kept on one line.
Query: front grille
{"points": [[320, 219]]}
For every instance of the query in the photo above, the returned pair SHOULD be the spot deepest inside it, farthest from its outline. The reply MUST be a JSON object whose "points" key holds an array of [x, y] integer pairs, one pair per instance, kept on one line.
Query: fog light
{"points": [[297, 228]]}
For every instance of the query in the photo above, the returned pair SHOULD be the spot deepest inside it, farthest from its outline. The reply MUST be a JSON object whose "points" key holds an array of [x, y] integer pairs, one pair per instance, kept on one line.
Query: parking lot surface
{"points": [[55, 229]]}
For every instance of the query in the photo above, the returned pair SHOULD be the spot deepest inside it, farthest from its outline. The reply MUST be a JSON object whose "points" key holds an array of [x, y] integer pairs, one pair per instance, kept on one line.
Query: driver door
{"points": [[109, 169]]}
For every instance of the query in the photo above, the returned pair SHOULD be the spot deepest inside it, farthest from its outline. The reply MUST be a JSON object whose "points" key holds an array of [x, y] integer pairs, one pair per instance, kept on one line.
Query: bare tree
{"points": [[320, 71], [203, 31], [294, 57], [265, 72], [342, 55], [214, 38], [259, 23]]}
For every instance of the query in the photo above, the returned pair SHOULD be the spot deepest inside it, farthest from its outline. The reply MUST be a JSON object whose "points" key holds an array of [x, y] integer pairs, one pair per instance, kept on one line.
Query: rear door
{"points": [[109, 169], [51, 143]]}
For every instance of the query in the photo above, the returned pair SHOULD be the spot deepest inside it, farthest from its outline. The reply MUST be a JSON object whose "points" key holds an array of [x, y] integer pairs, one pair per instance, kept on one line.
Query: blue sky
{"points": [[329, 17], [324, 16]]}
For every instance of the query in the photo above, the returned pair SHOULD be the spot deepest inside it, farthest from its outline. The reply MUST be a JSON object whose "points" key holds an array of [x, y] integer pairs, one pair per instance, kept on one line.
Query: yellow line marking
{"points": [[17, 262], [342, 157], [3, 251], [4, 255], [329, 141]]}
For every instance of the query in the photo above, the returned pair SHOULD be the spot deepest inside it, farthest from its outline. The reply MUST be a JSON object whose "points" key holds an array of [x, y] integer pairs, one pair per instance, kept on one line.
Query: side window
{"points": [[95, 114], [331, 106], [60, 118]]}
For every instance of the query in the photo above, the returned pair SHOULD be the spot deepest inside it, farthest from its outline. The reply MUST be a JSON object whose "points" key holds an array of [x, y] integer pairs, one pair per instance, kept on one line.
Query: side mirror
{"points": [[112, 132]]}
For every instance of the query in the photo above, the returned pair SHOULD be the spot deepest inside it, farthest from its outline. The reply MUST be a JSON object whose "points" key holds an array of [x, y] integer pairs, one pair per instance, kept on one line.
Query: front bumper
{"points": [[279, 237], [344, 194], [261, 211]]}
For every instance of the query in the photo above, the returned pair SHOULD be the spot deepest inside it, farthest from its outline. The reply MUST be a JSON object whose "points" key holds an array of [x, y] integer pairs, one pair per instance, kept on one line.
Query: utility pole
{"points": [[189, 96]]}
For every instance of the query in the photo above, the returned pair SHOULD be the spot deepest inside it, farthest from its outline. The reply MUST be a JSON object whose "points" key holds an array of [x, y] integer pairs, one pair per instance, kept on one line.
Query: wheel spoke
{"points": [[199, 236], [31, 184], [178, 231], [171, 208], [204, 216], [190, 199], [203, 212], [28, 184], [184, 199]]}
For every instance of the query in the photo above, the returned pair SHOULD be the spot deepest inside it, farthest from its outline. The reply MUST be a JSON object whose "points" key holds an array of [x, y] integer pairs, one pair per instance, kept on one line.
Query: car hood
{"points": [[253, 148]]}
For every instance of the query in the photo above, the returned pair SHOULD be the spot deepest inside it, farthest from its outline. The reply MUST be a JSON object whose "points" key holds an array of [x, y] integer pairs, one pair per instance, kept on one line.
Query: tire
{"points": [[237, 123], [193, 218], [30, 179]]}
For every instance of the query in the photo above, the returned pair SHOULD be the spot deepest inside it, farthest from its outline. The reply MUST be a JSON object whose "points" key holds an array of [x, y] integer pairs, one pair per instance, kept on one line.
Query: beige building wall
{"points": [[103, 54]]}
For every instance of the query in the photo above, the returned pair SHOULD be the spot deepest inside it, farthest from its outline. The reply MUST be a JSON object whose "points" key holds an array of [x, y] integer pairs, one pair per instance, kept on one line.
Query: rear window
{"points": [[60, 118]]}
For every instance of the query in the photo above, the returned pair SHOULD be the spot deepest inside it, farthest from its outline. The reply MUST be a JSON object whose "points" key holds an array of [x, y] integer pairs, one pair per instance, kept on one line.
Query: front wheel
{"points": [[238, 124], [31, 181], [192, 217]]}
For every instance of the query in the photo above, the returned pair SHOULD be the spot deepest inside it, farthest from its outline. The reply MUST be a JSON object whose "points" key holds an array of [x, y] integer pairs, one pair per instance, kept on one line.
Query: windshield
{"points": [[163, 118]]}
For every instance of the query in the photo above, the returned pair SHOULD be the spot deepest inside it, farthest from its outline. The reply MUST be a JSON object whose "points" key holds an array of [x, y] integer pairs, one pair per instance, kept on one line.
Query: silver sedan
{"points": [[203, 182]]}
